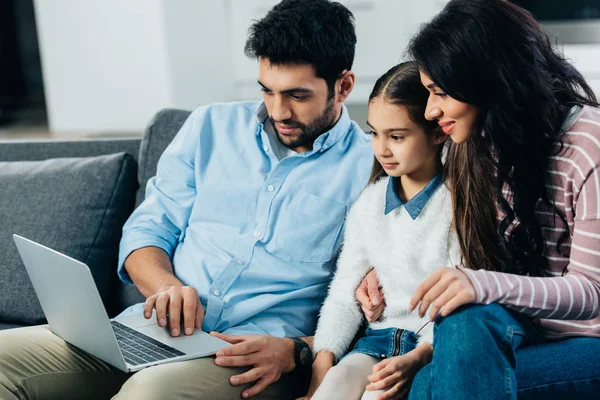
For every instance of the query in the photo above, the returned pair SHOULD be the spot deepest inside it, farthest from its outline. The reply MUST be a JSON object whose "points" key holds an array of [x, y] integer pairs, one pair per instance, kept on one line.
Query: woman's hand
{"points": [[369, 295], [444, 290], [395, 375], [323, 363]]}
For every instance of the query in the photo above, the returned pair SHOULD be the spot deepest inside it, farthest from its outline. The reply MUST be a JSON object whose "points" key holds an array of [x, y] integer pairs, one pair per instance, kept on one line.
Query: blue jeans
{"points": [[489, 352], [385, 343]]}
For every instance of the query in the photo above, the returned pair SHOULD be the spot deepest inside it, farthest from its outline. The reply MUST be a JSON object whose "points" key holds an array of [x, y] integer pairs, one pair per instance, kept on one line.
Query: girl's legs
{"points": [[474, 354], [347, 380]]}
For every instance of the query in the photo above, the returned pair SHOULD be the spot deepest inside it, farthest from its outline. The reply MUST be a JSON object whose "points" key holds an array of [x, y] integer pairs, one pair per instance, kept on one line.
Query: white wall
{"points": [[199, 51], [103, 63], [109, 65]]}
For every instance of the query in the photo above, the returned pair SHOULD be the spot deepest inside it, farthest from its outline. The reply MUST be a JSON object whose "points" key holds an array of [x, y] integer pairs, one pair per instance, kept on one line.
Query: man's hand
{"points": [[370, 297], [269, 357], [445, 290], [395, 375], [176, 301]]}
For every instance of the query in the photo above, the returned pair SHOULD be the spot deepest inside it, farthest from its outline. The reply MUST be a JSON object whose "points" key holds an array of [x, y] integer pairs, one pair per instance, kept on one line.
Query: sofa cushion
{"points": [[76, 206]]}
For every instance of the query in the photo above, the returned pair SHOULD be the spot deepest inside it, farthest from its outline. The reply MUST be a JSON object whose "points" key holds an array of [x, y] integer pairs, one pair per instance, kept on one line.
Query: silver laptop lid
{"points": [[70, 300]]}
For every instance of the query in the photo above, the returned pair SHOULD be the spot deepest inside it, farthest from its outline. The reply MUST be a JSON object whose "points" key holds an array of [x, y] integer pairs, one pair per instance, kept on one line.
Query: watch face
{"points": [[305, 356]]}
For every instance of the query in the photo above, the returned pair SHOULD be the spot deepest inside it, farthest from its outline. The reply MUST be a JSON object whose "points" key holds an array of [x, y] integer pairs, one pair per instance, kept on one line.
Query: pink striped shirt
{"points": [[562, 305]]}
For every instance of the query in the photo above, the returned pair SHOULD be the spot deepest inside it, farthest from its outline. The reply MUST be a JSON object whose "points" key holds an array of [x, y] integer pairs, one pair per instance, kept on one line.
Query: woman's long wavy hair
{"points": [[401, 85], [494, 55]]}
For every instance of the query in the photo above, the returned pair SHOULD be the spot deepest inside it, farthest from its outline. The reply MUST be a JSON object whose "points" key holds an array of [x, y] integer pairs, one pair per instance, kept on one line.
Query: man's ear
{"points": [[344, 85]]}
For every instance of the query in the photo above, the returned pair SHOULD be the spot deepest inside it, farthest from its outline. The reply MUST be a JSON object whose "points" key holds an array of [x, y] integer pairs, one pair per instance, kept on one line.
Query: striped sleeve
{"points": [[574, 296]]}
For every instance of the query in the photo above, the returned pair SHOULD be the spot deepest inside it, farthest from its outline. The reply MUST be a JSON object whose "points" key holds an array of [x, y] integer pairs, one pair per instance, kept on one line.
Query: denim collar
{"points": [[327, 139], [415, 205]]}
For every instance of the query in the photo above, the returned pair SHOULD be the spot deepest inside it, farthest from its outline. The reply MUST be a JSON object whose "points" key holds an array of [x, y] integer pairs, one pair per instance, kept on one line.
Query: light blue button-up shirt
{"points": [[255, 235]]}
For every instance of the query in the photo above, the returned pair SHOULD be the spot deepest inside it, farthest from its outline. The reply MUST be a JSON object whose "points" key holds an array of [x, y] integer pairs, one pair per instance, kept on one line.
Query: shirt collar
{"points": [[327, 139], [572, 117], [415, 205]]}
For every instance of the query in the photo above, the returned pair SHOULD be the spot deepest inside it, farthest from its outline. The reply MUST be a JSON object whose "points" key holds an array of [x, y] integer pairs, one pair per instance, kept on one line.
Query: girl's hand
{"points": [[445, 290], [323, 363], [395, 375]]}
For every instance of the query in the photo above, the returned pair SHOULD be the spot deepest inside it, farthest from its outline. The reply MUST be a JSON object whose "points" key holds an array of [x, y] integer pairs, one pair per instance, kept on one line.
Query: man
{"points": [[241, 225]]}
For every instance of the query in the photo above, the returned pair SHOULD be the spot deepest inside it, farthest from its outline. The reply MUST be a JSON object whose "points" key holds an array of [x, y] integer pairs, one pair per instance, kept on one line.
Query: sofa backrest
{"points": [[159, 133], [27, 150], [146, 151]]}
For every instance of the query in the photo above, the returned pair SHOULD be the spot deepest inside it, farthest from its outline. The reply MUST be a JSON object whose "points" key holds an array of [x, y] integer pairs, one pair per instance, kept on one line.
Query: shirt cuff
{"points": [[129, 247]]}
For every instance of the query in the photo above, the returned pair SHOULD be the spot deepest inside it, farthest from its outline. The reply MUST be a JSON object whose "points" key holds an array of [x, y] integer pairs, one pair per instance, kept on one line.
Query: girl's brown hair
{"points": [[401, 85]]}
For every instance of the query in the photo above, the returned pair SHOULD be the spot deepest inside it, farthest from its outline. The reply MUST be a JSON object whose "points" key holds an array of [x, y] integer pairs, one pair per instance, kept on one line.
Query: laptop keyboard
{"points": [[138, 348]]}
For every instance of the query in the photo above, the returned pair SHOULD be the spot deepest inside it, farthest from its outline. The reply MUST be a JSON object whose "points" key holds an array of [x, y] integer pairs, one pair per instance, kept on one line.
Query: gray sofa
{"points": [[74, 196]]}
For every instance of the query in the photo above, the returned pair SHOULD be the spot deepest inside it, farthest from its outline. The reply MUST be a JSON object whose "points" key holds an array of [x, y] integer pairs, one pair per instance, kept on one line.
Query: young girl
{"points": [[523, 167], [401, 226]]}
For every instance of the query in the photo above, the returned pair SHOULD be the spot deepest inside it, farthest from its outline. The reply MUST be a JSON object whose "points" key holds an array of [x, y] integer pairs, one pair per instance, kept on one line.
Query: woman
{"points": [[523, 171]]}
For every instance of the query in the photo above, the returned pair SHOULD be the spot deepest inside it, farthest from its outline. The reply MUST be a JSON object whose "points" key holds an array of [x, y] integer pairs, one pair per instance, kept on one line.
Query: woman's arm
{"points": [[574, 296]]}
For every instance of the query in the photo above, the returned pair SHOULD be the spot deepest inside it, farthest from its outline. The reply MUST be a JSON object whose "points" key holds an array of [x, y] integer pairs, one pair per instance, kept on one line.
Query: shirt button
{"points": [[270, 188], [256, 233], [216, 292], [239, 262], [266, 148]]}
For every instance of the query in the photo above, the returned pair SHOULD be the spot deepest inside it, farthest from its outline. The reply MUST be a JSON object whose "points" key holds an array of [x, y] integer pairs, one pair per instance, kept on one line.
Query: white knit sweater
{"points": [[403, 252]]}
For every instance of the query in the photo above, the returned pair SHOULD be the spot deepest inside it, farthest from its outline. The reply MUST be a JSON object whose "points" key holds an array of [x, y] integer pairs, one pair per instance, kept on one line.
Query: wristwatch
{"points": [[302, 355]]}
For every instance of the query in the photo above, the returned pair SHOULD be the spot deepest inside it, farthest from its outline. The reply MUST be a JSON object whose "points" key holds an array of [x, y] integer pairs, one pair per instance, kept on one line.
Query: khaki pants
{"points": [[36, 364]]}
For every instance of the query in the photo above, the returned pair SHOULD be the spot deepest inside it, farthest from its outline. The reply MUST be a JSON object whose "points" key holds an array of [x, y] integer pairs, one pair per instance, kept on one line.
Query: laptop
{"points": [[75, 313]]}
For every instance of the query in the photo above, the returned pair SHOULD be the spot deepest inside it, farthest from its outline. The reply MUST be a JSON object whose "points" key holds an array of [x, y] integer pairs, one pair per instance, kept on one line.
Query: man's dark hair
{"points": [[316, 32]]}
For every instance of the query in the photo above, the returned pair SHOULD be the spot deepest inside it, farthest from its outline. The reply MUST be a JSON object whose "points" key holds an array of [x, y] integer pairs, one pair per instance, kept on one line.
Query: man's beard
{"points": [[308, 132]]}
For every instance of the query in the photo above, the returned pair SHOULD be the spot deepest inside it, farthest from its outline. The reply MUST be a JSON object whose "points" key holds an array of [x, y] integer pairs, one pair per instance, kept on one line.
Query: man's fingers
{"points": [[149, 306], [228, 338], [162, 302], [241, 349], [261, 385], [199, 316], [236, 361], [175, 312], [190, 303], [247, 377]]}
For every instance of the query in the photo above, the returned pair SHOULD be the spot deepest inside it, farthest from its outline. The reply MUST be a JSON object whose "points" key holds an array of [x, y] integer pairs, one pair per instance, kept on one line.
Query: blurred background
{"points": [[102, 68]]}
